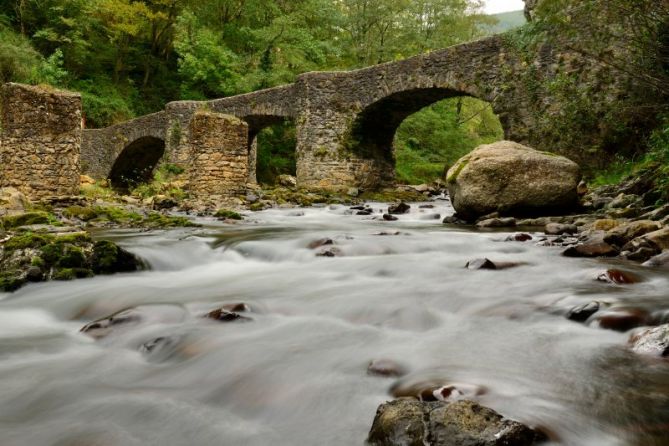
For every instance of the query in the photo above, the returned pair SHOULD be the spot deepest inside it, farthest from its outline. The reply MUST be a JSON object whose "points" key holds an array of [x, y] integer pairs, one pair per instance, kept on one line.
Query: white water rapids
{"points": [[296, 374]]}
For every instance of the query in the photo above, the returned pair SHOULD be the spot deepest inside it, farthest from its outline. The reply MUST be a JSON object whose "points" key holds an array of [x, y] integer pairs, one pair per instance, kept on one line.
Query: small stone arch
{"points": [[136, 162]]}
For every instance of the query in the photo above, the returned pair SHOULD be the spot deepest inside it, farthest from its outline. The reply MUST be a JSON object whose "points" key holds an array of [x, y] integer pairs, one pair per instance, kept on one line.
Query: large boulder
{"points": [[510, 178]]}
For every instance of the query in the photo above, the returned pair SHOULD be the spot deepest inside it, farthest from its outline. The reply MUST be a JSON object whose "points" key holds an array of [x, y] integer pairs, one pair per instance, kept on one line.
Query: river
{"points": [[296, 373]]}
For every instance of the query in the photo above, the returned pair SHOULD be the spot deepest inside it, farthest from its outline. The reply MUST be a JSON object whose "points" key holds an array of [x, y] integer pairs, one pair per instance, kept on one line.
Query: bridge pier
{"points": [[40, 141]]}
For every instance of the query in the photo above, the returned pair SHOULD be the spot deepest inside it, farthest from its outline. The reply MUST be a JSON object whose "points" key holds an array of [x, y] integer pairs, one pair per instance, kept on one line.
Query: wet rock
{"points": [[466, 423], [161, 348], [623, 201], [653, 341], [583, 312], [508, 222], [386, 368], [330, 252], [131, 317], [641, 254], [560, 229], [488, 264], [109, 258], [619, 319], [522, 237], [388, 217], [582, 189], [399, 208], [454, 220], [366, 211], [320, 242], [430, 217], [406, 422], [399, 423], [358, 208], [618, 277], [659, 261], [34, 274], [223, 315], [594, 246], [436, 390], [387, 233], [480, 264], [426, 206], [510, 178]]}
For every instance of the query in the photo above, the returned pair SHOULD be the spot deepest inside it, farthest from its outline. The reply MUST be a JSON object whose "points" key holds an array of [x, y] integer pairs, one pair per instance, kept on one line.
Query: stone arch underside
{"points": [[373, 130], [136, 162]]}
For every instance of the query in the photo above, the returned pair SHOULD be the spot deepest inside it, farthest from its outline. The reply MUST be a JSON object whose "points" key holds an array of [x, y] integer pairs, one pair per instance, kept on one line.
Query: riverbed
{"points": [[296, 373]]}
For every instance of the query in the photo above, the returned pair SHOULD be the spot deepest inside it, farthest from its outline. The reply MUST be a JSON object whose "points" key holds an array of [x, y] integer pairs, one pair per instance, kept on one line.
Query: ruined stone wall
{"points": [[218, 164], [40, 141]]}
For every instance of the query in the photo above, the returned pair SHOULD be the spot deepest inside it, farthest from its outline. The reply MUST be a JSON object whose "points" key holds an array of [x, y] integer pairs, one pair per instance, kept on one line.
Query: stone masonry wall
{"points": [[218, 165], [40, 141]]}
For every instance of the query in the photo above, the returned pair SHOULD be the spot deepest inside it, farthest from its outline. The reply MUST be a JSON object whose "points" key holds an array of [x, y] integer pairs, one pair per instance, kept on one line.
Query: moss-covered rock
{"points": [[28, 218], [36, 257], [228, 214]]}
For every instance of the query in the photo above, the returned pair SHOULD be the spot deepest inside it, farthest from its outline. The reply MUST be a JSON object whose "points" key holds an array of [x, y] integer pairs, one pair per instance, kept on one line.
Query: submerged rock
{"points": [[512, 179], [386, 368], [619, 319], [436, 390], [658, 261], [406, 422], [388, 217], [489, 264], [223, 315], [320, 242], [131, 317]]}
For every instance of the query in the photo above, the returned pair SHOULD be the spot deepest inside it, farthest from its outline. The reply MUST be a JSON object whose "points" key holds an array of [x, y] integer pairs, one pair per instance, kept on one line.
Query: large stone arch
{"points": [[136, 162], [347, 120]]}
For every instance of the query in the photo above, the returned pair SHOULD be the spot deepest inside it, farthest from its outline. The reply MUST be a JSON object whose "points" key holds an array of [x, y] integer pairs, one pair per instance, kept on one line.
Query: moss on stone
{"points": [[458, 170], [228, 214], [28, 218], [109, 258], [157, 220], [11, 280], [83, 213], [72, 257], [257, 207], [26, 240]]}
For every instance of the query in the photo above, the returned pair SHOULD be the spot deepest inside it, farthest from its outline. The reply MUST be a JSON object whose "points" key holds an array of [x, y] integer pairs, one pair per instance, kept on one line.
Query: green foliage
{"points": [[437, 136], [19, 62], [276, 152]]}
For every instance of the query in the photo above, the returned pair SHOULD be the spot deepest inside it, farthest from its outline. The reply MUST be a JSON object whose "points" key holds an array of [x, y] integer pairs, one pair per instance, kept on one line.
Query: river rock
{"points": [[659, 261], [388, 217], [407, 422], [484, 263], [512, 179], [618, 277], [619, 319], [623, 201], [625, 232], [399, 208], [652, 341], [593, 246], [436, 390], [223, 315], [583, 312], [521, 237], [131, 317], [454, 220], [659, 238], [604, 224], [508, 222], [386, 368], [657, 214], [560, 229], [320, 242]]}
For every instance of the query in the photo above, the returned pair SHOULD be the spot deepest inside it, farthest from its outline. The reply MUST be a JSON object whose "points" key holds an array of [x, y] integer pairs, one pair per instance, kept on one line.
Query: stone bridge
{"points": [[345, 121]]}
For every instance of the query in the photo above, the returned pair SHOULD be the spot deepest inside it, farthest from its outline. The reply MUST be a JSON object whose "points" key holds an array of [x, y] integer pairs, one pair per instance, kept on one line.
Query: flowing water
{"points": [[296, 374]]}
